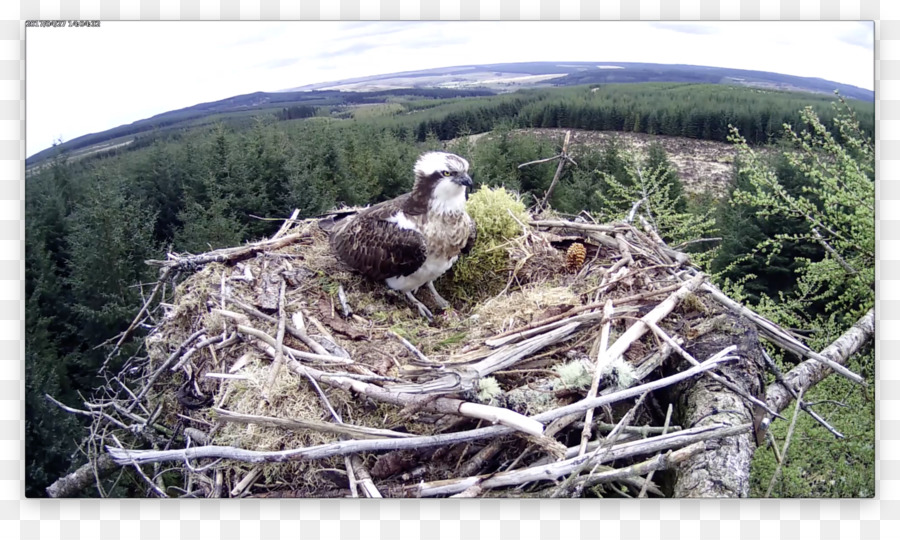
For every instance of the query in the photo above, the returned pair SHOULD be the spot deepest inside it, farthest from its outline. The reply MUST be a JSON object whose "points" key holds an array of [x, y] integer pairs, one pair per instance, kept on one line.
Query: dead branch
{"points": [[279, 344], [595, 382], [269, 340], [780, 336], [446, 405], [787, 444], [552, 471], [296, 424], [665, 429], [234, 254], [557, 224], [638, 329], [563, 157], [365, 479], [810, 372], [74, 483]]}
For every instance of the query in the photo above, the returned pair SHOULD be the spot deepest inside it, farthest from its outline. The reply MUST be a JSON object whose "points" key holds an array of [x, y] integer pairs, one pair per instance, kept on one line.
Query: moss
{"points": [[574, 375], [488, 389], [484, 270]]}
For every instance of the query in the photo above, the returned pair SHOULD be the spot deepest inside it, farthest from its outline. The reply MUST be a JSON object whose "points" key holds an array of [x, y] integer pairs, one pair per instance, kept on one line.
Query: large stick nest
{"points": [[334, 384]]}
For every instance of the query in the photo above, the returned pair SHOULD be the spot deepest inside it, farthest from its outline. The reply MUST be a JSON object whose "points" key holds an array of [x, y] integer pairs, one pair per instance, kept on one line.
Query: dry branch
{"points": [[296, 424], [192, 262], [121, 455], [553, 471], [74, 483], [780, 336], [810, 372]]}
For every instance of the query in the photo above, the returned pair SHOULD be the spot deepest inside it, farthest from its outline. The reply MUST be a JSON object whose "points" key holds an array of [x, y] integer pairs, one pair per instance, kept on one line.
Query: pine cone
{"points": [[575, 257]]}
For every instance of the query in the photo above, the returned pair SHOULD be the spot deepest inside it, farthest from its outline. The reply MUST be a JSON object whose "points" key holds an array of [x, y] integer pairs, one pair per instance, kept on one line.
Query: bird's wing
{"points": [[378, 248], [473, 235]]}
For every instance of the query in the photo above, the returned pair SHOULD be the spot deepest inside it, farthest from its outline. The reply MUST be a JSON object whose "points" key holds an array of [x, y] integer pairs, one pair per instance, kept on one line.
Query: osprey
{"points": [[412, 240]]}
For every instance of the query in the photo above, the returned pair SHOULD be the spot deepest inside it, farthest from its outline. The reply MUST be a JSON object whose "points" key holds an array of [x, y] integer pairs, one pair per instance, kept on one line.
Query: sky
{"points": [[86, 80]]}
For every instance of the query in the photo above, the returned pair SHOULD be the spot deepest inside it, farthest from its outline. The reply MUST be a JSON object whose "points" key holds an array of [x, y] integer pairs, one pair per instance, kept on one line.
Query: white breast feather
{"points": [[448, 197]]}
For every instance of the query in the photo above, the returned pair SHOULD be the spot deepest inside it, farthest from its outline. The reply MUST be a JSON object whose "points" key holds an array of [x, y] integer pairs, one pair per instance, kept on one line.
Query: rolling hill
{"points": [[441, 83]]}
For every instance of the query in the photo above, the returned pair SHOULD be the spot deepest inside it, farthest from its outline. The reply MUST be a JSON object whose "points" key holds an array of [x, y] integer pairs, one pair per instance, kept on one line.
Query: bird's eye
{"points": [[445, 173]]}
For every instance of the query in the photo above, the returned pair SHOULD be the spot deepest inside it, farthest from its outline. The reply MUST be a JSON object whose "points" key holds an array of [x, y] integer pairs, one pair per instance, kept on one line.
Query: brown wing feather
{"points": [[377, 248]]}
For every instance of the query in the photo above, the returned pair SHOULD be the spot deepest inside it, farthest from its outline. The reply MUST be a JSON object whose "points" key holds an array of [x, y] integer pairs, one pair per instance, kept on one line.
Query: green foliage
{"points": [[819, 195], [482, 270], [835, 210], [818, 464], [702, 111], [652, 180]]}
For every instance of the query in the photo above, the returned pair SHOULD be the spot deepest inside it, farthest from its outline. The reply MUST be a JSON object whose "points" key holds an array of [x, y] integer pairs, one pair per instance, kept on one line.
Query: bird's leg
{"points": [[443, 304], [420, 306]]}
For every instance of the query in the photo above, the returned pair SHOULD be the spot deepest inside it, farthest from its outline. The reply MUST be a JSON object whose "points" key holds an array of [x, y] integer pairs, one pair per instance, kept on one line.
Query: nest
{"points": [[272, 371]]}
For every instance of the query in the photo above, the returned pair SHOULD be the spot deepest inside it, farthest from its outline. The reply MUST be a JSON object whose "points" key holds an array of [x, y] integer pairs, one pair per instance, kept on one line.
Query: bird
{"points": [[411, 240]]}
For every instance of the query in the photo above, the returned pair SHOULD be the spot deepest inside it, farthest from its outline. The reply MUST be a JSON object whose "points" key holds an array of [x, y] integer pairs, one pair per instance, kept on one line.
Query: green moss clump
{"points": [[483, 271]]}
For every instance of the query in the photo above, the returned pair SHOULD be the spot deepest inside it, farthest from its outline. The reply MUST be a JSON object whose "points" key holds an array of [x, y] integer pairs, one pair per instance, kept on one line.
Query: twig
{"points": [[269, 340], [322, 396], [715, 376], [121, 455], [156, 489], [138, 318], [351, 477], [649, 478], [634, 208], [279, 344], [297, 424], [780, 336], [245, 482], [787, 444], [563, 156], [779, 377], [342, 298], [287, 224], [535, 162], [159, 371], [412, 348], [299, 333], [365, 479], [192, 262], [190, 352], [595, 382], [559, 224]]}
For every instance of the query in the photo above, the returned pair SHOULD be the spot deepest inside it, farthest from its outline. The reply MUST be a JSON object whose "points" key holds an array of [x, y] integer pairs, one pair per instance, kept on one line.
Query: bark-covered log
{"points": [[724, 469], [73, 484]]}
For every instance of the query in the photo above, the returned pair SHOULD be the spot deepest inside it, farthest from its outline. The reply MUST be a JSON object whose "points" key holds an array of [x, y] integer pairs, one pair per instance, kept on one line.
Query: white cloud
{"points": [[83, 80]]}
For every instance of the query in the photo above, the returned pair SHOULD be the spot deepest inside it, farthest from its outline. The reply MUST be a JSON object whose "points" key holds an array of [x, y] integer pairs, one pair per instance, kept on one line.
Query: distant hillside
{"points": [[436, 84], [248, 103], [507, 77]]}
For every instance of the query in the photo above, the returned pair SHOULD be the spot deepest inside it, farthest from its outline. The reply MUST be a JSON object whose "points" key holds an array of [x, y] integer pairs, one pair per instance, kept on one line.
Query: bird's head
{"points": [[441, 167]]}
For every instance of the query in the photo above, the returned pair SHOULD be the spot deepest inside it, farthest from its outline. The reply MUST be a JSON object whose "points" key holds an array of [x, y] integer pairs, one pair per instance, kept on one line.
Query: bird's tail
{"points": [[330, 220], [327, 224]]}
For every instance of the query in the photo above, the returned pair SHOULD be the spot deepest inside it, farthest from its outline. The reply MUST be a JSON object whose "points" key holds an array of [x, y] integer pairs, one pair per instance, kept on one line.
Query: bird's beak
{"points": [[464, 180]]}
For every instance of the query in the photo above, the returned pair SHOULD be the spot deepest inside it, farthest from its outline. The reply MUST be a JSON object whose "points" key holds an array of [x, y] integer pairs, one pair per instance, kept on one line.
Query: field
{"points": [[703, 166]]}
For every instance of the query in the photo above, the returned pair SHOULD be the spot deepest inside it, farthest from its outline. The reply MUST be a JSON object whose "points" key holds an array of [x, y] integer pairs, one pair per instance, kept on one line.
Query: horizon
{"points": [[145, 76]]}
